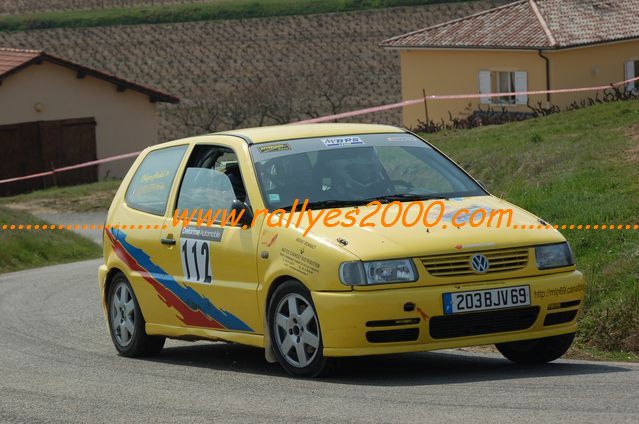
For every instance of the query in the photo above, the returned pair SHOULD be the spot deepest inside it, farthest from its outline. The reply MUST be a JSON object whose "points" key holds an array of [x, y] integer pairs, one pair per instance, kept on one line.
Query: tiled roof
{"points": [[14, 60], [532, 24]]}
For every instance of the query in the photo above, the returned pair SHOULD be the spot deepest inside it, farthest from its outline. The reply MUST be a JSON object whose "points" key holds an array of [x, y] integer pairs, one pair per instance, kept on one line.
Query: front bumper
{"points": [[361, 322], [102, 275]]}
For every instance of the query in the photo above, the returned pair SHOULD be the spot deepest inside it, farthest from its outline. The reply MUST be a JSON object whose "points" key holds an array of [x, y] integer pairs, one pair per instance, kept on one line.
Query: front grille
{"points": [[393, 336], [478, 323], [560, 317], [457, 264]]}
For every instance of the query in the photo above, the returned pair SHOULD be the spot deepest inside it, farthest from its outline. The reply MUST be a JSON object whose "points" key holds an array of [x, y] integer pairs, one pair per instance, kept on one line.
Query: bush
{"points": [[500, 116]]}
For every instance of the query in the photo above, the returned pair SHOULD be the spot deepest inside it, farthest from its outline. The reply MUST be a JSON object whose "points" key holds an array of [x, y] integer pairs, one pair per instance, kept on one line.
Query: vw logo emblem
{"points": [[479, 263]]}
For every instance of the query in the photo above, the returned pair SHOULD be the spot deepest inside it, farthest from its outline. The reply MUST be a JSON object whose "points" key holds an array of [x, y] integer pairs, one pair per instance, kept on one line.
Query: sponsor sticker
{"points": [[273, 197], [342, 141], [401, 138], [299, 262], [274, 148], [203, 233]]}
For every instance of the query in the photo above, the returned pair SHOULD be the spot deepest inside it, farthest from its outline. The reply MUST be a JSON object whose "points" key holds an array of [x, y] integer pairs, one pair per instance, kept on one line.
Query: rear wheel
{"points": [[127, 323], [295, 331], [537, 351]]}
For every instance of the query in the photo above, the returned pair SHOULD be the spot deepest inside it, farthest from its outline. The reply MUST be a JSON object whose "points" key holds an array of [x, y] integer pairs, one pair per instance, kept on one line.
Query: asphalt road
{"points": [[57, 365]]}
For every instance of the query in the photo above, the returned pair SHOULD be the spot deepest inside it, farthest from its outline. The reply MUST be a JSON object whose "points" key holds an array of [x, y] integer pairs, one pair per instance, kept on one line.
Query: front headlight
{"points": [[359, 273], [554, 256]]}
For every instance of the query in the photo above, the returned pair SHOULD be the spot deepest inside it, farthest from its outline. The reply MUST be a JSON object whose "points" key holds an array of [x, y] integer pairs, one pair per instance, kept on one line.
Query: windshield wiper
{"points": [[403, 197], [342, 203], [324, 204]]}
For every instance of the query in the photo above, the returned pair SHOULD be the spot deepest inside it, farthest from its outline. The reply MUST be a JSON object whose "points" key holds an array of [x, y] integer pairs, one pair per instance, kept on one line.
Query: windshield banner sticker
{"points": [[342, 141]]}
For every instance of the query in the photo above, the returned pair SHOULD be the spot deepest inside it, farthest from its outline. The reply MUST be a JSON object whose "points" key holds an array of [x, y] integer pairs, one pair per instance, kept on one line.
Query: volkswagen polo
{"points": [[315, 263]]}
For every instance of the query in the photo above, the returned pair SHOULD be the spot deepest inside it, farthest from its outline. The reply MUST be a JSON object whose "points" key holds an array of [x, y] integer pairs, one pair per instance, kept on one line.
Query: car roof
{"points": [[291, 132]]}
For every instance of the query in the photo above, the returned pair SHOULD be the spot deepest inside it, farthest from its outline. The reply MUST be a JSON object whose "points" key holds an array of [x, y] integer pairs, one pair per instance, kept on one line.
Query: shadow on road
{"points": [[220, 356], [412, 369], [431, 368]]}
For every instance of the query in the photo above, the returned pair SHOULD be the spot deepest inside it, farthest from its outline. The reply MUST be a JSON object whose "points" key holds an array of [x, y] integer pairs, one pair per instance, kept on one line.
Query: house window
{"points": [[632, 71], [503, 82]]}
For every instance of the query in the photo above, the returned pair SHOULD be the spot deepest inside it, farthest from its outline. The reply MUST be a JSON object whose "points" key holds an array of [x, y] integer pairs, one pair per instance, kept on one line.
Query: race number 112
{"points": [[196, 260]]}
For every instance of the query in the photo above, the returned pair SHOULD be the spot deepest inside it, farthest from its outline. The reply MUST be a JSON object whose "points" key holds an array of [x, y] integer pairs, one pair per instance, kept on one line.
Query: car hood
{"points": [[397, 241]]}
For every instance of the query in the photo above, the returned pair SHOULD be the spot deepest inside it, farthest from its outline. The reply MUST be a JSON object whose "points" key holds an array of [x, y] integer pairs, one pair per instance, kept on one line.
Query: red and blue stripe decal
{"points": [[194, 310]]}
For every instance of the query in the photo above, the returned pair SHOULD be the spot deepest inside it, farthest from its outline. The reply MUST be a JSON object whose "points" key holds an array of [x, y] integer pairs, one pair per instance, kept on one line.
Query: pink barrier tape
{"points": [[70, 167], [349, 114], [458, 97]]}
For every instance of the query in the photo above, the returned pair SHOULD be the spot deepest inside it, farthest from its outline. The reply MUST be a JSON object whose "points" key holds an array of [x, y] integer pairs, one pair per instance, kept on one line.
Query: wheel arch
{"points": [[278, 282], [109, 280]]}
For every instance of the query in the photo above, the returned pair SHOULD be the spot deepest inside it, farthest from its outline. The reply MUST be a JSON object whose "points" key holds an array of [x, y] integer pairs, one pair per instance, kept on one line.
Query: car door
{"points": [[217, 259]]}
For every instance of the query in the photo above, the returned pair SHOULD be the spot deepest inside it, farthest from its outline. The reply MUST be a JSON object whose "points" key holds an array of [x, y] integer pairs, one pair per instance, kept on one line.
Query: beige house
{"points": [[55, 113], [526, 45]]}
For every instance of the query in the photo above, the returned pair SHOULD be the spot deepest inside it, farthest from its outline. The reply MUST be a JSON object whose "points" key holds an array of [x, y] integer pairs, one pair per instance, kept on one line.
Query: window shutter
{"points": [[484, 86], [630, 73], [521, 84]]}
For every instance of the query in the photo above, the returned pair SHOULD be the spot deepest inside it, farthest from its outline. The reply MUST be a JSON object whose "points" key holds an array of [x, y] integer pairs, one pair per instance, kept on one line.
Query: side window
{"points": [[205, 189], [151, 184], [212, 180]]}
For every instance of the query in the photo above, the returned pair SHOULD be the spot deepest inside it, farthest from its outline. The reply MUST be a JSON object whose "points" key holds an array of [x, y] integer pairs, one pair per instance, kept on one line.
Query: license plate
{"points": [[482, 300]]}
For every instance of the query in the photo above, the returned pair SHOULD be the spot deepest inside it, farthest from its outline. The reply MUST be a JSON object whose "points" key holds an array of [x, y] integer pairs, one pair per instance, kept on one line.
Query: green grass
{"points": [[220, 9], [22, 249], [578, 167], [603, 355], [79, 198]]}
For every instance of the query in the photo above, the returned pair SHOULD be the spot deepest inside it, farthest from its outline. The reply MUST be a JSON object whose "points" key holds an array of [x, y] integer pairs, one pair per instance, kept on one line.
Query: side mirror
{"points": [[247, 214]]}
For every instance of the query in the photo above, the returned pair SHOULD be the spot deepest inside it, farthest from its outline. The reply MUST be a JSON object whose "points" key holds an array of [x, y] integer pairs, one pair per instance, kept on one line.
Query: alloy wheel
{"points": [[296, 330], [123, 315]]}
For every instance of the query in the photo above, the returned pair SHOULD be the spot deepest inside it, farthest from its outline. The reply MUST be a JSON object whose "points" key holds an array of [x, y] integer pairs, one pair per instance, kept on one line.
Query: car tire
{"points": [[295, 331], [126, 323], [536, 351]]}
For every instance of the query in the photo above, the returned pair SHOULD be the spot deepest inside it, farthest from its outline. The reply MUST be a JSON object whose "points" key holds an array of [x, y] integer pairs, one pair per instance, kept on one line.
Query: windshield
{"points": [[352, 170]]}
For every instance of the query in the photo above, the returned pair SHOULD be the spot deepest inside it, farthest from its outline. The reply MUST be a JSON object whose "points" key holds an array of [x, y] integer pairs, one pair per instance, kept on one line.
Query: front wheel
{"points": [[536, 351], [295, 331], [127, 323]]}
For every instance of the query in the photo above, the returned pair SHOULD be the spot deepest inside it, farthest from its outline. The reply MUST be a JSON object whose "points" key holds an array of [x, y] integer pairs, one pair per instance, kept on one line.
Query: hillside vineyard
{"points": [[27, 6], [256, 71]]}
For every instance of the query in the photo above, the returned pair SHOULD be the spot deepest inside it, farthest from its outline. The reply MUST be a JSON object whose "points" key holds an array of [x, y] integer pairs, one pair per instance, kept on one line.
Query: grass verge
{"points": [[79, 198], [22, 249], [215, 10], [574, 168]]}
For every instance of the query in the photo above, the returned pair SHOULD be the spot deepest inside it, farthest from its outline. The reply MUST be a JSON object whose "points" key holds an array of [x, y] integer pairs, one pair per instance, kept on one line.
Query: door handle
{"points": [[168, 241]]}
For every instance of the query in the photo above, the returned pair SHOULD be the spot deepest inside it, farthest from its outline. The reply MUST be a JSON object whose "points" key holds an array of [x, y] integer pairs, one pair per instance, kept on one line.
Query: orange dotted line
{"points": [[157, 227], [78, 227], [578, 227]]}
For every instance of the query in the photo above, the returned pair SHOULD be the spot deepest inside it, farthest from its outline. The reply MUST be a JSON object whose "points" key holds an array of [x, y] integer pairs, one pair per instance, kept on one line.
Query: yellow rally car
{"points": [[310, 289]]}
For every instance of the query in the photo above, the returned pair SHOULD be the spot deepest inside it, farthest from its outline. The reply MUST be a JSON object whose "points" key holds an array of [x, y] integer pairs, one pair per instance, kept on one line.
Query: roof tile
{"points": [[12, 60], [558, 24]]}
